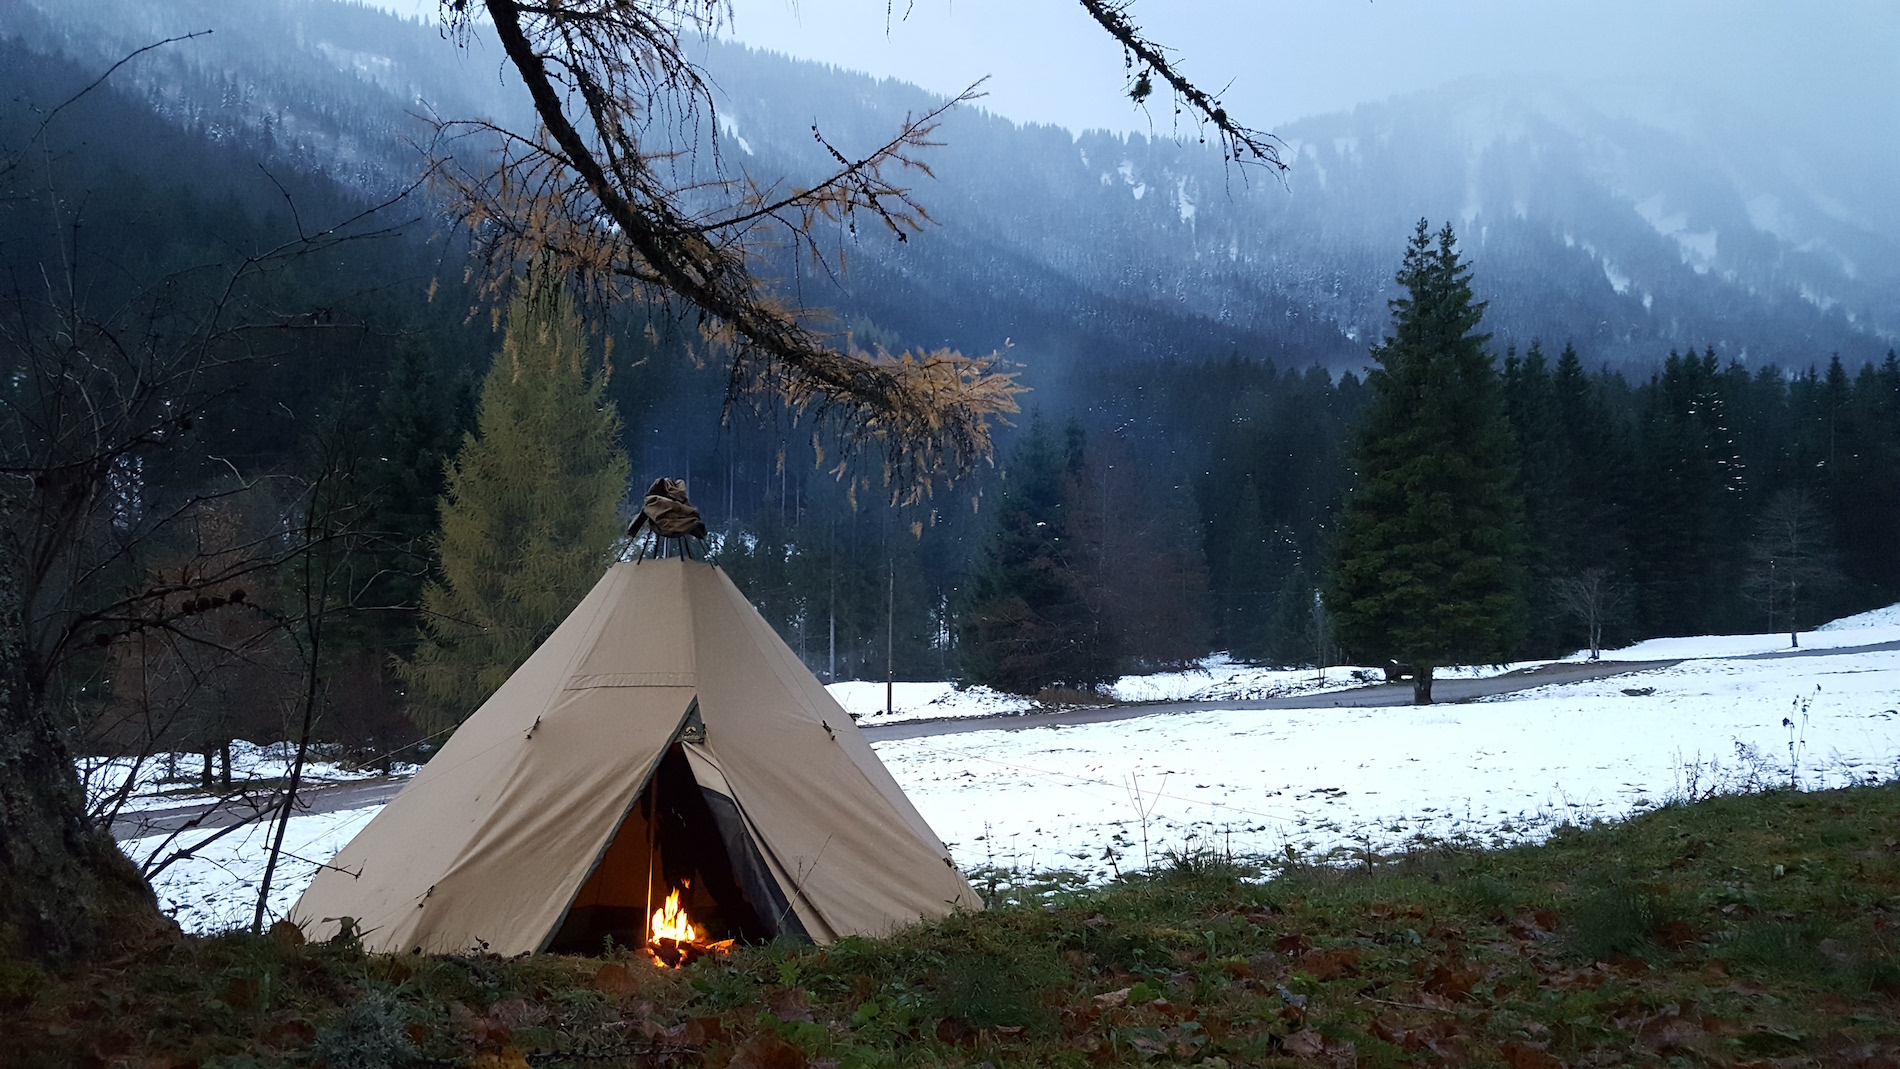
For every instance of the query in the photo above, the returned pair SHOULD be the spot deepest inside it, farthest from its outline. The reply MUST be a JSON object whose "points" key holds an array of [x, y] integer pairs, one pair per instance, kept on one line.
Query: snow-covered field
{"points": [[1316, 781], [217, 888], [1866, 629], [1502, 769]]}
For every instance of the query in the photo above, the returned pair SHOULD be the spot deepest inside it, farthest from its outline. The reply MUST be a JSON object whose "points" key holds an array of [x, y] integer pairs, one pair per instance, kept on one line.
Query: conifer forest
{"points": [[1152, 502]]}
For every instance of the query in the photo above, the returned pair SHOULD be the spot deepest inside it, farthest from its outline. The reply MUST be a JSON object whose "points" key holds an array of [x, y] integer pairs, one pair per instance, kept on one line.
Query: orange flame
{"points": [[671, 922]]}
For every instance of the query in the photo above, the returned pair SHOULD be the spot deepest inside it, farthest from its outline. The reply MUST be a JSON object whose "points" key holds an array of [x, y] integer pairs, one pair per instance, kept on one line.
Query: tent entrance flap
{"points": [[672, 840]]}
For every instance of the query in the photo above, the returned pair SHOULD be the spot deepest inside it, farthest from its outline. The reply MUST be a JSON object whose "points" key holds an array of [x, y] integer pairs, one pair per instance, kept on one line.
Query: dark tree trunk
{"points": [[66, 892], [224, 766], [1422, 684]]}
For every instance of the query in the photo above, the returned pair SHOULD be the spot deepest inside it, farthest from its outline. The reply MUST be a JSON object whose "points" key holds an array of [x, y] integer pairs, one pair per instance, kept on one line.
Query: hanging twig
{"points": [[1146, 60]]}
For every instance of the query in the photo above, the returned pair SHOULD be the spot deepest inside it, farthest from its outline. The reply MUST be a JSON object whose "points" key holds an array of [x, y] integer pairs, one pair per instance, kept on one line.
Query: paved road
{"points": [[1378, 695], [355, 795], [322, 799], [1876, 647], [1374, 696]]}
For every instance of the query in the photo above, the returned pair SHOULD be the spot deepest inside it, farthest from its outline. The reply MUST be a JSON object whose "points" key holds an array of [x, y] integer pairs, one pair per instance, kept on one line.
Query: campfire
{"points": [[673, 941]]}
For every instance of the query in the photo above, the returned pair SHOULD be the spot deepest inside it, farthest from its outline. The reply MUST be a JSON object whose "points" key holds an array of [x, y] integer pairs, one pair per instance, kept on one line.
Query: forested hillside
{"points": [[1194, 336]]}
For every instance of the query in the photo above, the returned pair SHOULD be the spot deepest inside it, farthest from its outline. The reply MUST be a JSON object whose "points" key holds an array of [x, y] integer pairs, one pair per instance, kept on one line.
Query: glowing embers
{"points": [[671, 938]]}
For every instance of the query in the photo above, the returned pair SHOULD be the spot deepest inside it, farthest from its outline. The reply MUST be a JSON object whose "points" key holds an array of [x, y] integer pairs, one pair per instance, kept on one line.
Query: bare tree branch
{"points": [[585, 195], [1146, 59]]}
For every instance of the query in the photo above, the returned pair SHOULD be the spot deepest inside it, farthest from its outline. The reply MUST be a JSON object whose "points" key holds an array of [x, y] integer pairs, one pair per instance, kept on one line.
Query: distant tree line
{"points": [[1707, 498]]}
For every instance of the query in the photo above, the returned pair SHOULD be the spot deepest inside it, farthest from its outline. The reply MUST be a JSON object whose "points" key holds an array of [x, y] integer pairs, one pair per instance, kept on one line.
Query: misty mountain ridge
{"points": [[1629, 227]]}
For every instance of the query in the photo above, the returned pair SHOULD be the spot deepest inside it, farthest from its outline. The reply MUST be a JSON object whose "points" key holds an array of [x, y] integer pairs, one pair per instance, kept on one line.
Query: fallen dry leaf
{"points": [[1451, 982], [293, 1032], [502, 1058], [767, 1050], [1328, 964], [478, 1029], [617, 980], [513, 1013], [955, 1031], [1521, 1055], [1669, 1032], [695, 1032], [1306, 1043], [1675, 935], [789, 1004]]}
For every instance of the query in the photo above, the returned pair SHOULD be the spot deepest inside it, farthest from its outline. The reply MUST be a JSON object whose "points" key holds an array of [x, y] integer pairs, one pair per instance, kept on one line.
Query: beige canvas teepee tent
{"points": [[662, 739]]}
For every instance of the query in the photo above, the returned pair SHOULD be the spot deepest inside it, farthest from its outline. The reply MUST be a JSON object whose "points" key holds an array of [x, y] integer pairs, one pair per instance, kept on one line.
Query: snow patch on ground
{"points": [[1887, 617], [1867, 629], [1219, 678], [1326, 780], [1216, 678], [864, 700], [216, 890]]}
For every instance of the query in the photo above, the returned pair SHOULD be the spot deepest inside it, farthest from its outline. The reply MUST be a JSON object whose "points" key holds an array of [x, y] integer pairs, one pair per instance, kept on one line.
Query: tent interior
{"points": [[683, 833]]}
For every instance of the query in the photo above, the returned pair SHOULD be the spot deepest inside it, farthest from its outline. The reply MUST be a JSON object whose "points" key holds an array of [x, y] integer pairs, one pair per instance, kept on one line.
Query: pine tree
{"points": [[1027, 623], [1424, 567], [1591, 464], [529, 517], [1531, 406], [1690, 546], [1867, 510], [1254, 571], [419, 424], [1137, 545]]}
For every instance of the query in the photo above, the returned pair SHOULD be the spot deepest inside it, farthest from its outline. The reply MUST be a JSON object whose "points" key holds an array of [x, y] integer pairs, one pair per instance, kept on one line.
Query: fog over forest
{"points": [[1693, 305]]}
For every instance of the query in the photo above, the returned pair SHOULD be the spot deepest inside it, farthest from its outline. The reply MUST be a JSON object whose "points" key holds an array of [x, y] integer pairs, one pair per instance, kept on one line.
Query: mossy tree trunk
{"points": [[66, 892]]}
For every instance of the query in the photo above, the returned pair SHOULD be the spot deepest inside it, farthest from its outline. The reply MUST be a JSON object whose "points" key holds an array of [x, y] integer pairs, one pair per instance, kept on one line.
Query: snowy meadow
{"points": [[1096, 799]]}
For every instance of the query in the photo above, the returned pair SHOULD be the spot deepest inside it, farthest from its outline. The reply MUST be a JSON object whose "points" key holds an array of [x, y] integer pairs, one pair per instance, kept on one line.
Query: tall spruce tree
{"points": [[1027, 622], [1424, 567], [530, 514], [1690, 548], [1530, 405], [1254, 571]]}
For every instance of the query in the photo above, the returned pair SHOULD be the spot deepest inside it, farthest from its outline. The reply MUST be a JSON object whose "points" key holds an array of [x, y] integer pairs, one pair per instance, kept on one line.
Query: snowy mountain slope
{"points": [[1627, 222]]}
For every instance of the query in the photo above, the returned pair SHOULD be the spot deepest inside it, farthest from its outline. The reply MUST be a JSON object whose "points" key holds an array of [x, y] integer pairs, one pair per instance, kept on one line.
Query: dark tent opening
{"points": [[679, 836]]}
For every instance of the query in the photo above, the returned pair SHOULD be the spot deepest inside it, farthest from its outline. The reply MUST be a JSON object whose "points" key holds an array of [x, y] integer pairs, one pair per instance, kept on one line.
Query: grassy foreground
{"points": [[1740, 931]]}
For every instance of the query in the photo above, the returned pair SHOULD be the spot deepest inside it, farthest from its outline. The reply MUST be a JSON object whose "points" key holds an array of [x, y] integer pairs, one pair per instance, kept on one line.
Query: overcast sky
{"points": [[1287, 59], [1831, 65]]}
